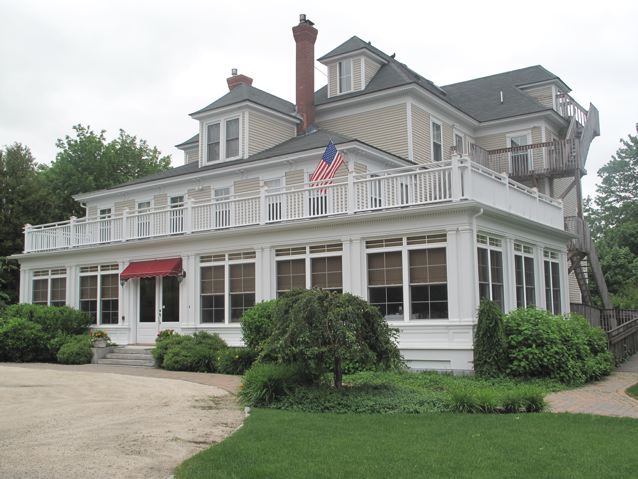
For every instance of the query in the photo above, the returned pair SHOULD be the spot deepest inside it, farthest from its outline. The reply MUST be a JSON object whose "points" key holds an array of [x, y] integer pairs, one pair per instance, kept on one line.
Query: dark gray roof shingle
{"points": [[352, 45], [194, 140], [245, 92]]}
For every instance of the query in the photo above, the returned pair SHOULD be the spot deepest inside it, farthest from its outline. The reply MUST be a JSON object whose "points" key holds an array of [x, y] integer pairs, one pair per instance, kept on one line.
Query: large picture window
{"points": [[227, 286], [490, 269], [385, 283], [524, 272], [99, 293], [322, 262], [49, 287], [552, 282], [428, 284]]}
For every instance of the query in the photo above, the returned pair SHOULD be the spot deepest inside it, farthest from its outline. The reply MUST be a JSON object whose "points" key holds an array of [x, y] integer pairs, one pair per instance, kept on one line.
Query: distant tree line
{"points": [[613, 218], [35, 193]]}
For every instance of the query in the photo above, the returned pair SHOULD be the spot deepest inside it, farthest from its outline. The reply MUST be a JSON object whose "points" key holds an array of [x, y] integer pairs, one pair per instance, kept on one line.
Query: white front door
{"points": [[158, 307]]}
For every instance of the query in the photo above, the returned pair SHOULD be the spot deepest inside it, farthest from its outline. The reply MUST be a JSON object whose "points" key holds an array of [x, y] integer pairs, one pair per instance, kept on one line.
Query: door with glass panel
{"points": [[519, 158], [158, 307]]}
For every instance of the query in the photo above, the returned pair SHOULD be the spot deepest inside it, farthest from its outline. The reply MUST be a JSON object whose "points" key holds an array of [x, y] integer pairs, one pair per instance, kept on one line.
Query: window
{"points": [[519, 158], [49, 287], [242, 289], [552, 282], [345, 76], [524, 272], [105, 225], [458, 144], [176, 217], [490, 269], [385, 283], [437, 143], [227, 286], [428, 284], [232, 138], [213, 143], [99, 292], [323, 262], [222, 207]]}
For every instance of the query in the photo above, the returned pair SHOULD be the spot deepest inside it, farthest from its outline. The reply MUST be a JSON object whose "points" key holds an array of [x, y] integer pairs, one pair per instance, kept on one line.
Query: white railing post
{"points": [[188, 216], [263, 207], [352, 201], [73, 231], [456, 179], [125, 232], [28, 238]]}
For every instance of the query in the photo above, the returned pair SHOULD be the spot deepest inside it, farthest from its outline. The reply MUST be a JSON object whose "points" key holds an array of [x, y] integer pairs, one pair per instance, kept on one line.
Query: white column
{"points": [[464, 294], [25, 285], [509, 275], [72, 286], [539, 274], [187, 287], [346, 268], [264, 286], [564, 283], [358, 271]]}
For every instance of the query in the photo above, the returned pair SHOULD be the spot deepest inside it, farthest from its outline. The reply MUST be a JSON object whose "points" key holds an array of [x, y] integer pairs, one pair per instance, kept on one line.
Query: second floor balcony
{"points": [[458, 180]]}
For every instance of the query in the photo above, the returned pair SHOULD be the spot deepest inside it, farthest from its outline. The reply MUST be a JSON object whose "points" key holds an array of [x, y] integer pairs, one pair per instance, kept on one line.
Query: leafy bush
{"points": [[489, 342], [235, 360], [323, 331], [54, 320], [76, 350], [197, 353], [257, 324], [265, 382], [163, 344], [23, 341], [567, 349]]}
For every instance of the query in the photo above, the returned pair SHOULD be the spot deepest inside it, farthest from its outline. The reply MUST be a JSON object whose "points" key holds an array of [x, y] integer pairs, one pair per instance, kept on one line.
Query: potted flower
{"points": [[99, 339]]}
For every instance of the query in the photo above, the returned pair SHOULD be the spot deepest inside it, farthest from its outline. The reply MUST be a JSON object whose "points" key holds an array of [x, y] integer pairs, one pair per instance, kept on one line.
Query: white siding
{"points": [[542, 94]]}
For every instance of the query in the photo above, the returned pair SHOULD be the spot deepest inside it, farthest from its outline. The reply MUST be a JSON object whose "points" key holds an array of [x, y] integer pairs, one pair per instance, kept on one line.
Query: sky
{"points": [[143, 66]]}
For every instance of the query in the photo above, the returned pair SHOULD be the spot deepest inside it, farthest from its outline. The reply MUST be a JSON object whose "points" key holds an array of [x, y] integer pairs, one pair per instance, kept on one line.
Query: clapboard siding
{"points": [[160, 200], [542, 94], [570, 202], [492, 142], [91, 211], [333, 79], [246, 186], [266, 132], [385, 128], [447, 140], [198, 195], [421, 135], [574, 290], [295, 177], [120, 206], [360, 168], [537, 137], [192, 155], [371, 68], [356, 74]]}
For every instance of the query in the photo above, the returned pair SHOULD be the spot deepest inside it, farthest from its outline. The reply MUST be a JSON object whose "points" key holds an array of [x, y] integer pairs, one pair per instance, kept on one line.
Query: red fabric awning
{"points": [[155, 267]]}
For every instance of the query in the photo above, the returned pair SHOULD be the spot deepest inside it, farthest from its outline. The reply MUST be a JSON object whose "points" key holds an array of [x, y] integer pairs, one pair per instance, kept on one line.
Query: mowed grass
{"points": [[633, 391], [283, 444]]}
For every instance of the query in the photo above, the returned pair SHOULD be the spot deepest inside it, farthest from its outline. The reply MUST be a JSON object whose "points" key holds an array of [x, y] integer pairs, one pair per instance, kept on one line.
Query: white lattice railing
{"points": [[459, 179]]}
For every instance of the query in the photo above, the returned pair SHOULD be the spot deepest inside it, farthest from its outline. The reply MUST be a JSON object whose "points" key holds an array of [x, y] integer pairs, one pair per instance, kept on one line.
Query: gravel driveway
{"points": [[66, 424]]}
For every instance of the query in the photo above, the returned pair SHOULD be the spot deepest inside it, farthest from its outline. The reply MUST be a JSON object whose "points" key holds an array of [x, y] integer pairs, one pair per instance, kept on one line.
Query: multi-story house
{"points": [[447, 194]]}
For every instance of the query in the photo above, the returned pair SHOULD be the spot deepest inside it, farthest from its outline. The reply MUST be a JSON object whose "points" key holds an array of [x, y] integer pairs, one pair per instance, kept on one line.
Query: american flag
{"points": [[328, 166]]}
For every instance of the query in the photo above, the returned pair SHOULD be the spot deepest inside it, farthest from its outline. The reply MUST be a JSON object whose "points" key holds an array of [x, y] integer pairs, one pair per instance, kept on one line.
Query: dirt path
{"points": [[65, 424]]}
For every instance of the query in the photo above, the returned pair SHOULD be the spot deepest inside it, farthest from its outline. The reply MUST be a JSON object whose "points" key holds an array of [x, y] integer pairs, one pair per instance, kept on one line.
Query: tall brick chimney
{"points": [[236, 80], [305, 35]]}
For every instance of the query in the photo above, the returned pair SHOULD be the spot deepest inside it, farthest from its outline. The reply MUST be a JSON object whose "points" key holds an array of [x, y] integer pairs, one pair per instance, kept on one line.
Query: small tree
{"points": [[324, 331], [489, 342]]}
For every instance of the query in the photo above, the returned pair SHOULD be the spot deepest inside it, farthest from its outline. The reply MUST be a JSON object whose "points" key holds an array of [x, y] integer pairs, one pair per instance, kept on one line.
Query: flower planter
{"points": [[99, 343]]}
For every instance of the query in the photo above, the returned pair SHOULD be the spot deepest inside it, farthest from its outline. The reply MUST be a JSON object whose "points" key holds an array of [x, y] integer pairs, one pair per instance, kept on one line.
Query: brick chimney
{"points": [[236, 80], [305, 35]]}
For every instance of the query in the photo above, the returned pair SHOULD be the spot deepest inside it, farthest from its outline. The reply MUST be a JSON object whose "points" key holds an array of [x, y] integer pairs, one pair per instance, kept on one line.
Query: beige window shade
{"points": [[88, 287], [212, 280], [385, 269]]}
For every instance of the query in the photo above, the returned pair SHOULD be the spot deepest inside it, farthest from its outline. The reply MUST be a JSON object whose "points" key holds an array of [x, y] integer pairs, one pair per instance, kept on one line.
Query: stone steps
{"points": [[129, 356]]}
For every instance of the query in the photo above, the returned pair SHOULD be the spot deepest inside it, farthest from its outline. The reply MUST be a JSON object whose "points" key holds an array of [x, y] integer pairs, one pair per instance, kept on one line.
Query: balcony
{"points": [[569, 108], [558, 158], [447, 182]]}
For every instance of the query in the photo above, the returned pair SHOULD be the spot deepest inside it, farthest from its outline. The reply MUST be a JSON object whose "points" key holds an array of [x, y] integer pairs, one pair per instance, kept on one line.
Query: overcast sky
{"points": [[144, 65]]}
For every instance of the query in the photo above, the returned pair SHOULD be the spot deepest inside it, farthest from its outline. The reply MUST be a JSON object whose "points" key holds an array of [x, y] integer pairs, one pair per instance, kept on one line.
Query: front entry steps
{"points": [[129, 356]]}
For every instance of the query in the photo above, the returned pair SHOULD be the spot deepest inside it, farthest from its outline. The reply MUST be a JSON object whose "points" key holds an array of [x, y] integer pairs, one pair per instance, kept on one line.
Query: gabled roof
{"points": [[481, 98], [245, 92], [353, 44], [299, 144], [192, 141]]}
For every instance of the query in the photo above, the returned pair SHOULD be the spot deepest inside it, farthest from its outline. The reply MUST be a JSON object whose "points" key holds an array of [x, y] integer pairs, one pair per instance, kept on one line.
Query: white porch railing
{"points": [[451, 181]]}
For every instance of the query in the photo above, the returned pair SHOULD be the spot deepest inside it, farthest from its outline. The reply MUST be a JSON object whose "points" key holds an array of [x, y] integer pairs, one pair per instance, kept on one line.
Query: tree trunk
{"points": [[338, 374]]}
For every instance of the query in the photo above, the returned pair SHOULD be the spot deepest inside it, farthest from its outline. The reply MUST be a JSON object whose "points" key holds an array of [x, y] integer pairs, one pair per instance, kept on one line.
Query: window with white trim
{"points": [[520, 160], [232, 138], [99, 292], [424, 295], [49, 287], [345, 75], [552, 281], [227, 286], [437, 141], [458, 143], [524, 274], [490, 268], [322, 262], [213, 142]]}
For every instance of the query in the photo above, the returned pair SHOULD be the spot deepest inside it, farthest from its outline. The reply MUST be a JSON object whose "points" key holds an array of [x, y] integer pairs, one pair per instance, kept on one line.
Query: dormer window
{"points": [[345, 76], [229, 148], [213, 143]]}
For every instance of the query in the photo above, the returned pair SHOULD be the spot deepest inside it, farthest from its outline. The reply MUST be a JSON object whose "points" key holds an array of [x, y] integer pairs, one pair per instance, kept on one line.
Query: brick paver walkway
{"points": [[605, 398]]}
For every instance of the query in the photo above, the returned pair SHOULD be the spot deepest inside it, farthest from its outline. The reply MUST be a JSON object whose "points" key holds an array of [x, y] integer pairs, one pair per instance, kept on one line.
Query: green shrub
{"points": [[23, 341], [523, 399], [489, 342], [566, 349], [76, 350], [235, 360], [163, 344], [197, 353], [257, 324], [324, 330], [265, 382], [53, 320]]}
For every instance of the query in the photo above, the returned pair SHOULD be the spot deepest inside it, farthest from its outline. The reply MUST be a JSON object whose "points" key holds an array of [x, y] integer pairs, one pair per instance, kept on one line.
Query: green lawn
{"points": [[283, 444], [633, 391]]}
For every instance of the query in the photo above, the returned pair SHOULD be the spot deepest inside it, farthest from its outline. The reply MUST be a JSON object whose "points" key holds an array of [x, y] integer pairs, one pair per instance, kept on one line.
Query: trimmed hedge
{"points": [[197, 353], [76, 350], [23, 341]]}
